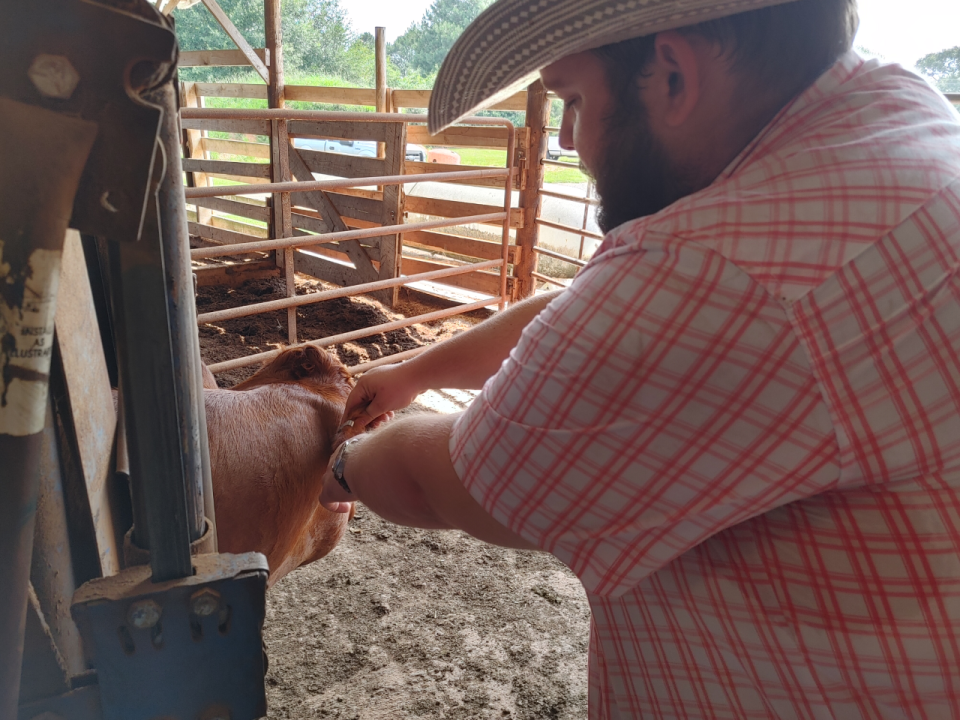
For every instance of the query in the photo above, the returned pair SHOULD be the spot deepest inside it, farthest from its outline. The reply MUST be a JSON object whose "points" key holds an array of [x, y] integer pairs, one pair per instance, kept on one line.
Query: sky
{"points": [[899, 30]]}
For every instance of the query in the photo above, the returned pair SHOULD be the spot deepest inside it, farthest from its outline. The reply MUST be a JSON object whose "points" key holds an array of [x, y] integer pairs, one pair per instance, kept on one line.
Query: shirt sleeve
{"points": [[662, 398]]}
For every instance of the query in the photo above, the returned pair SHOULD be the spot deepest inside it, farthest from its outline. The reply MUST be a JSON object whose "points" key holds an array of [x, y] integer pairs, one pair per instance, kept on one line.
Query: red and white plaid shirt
{"points": [[740, 425]]}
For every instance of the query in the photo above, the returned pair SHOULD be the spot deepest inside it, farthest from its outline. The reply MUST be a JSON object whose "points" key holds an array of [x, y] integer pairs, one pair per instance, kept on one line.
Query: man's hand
{"points": [[464, 362], [377, 394]]}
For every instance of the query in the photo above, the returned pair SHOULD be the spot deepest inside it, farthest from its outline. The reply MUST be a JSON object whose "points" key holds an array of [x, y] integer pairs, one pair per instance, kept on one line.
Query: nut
{"points": [[144, 614], [205, 602], [53, 76]]}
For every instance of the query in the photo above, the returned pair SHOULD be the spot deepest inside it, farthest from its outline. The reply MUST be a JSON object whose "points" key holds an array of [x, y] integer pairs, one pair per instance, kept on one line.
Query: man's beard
{"points": [[635, 176]]}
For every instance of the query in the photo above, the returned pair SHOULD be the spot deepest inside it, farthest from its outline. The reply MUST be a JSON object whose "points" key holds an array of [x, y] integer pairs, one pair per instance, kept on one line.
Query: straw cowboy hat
{"points": [[504, 48]]}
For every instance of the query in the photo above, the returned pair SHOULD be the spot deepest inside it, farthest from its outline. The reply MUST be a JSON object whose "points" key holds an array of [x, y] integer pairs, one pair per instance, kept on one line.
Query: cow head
{"points": [[307, 366]]}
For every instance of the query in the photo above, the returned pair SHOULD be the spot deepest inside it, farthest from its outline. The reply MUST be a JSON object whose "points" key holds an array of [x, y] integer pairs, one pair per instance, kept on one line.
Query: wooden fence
{"points": [[363, 208], [349, 230]]}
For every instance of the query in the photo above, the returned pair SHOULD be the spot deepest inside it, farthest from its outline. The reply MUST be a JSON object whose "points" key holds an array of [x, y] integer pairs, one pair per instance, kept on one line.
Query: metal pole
{"points": [[159, 363], [175, 245]]}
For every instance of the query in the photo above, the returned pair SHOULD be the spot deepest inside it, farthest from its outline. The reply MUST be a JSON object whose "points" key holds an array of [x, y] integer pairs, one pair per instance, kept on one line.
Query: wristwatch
{"points": [[339, 461]]}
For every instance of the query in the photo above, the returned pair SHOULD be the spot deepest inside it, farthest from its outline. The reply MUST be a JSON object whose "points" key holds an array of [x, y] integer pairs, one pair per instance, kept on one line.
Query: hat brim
{"points": [[505, 47]]}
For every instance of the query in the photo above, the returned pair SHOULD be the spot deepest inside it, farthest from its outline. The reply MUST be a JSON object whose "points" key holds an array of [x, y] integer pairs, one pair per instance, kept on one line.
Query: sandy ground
{"points": [[402, 623]]}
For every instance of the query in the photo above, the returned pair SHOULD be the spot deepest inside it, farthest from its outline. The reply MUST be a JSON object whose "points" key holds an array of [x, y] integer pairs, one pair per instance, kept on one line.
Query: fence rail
{"points": [[318, 227]]}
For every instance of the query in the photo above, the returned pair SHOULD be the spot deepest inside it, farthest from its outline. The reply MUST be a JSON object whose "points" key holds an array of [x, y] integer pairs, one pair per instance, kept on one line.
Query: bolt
{"points": [[53, 76], [144, 614], [205, 602]]}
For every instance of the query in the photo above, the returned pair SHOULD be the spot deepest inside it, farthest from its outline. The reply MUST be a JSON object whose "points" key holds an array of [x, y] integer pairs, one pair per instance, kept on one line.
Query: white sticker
{"points": [[26, 340]]}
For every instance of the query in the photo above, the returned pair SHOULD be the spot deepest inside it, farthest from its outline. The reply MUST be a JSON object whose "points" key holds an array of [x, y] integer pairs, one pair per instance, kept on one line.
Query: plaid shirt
{"points": [[740, 425]]}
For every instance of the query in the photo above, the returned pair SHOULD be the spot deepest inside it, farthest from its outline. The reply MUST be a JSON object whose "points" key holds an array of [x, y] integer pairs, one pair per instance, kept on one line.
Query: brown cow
{"points": [[270, 441]]}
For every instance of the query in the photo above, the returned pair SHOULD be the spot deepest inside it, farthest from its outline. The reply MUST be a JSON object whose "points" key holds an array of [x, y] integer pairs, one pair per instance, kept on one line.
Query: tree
{"points": [[316, 34], [359, 65], [424, 45], [943, 68]]}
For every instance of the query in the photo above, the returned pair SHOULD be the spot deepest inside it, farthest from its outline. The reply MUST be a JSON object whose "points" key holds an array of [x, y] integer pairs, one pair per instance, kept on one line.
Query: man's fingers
{"points": [[331, 496], [380, 420], [337, 507], [360, 422]]}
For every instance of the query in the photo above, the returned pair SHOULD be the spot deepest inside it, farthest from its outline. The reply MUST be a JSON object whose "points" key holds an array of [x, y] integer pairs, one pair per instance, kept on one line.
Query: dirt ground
{"points": [[402, 623]]}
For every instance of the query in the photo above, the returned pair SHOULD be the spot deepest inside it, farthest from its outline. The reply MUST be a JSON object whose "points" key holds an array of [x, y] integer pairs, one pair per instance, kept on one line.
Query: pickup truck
{"points": [[361, 148], [555, 152]]}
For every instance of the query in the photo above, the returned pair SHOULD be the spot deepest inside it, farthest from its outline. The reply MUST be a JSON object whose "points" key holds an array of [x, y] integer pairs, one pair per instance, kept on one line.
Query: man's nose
{"points": [[566, 135]]}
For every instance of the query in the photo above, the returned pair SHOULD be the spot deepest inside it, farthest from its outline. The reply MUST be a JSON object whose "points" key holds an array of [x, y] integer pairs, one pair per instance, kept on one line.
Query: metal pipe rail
{"points": [[310, 185], [354, 335], [560, 256], [388, 360], [546, 279], [557, 163], [341, 236], [569, 229], [571, 198], [300, 300]]}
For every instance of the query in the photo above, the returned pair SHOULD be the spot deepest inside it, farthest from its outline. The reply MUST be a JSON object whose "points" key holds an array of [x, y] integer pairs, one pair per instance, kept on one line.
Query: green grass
{"points": [[497, 158]]}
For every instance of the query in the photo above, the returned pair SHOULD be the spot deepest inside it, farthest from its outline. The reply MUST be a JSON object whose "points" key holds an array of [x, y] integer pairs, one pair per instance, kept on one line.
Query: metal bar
{"points": [[557, 163], [359, 234], [550, 128], [187, 364], [322, 115], [560, 256], [571, 198], [309, 185], [354, 335], [572, 230], [552, 281], [349, 291], [156, 380], [388, 360]]}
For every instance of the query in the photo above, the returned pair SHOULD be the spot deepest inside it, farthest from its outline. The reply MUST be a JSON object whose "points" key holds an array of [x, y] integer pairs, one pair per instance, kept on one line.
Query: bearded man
{"points": [[740, 424]]}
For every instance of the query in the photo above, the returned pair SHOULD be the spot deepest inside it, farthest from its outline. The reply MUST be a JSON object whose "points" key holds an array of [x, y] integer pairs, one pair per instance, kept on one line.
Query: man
{"points": [[740, 425]]}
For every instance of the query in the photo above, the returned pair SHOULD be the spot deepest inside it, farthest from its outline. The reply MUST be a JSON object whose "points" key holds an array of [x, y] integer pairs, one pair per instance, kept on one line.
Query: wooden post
{"points": [[538, 111], [381, 77], [193, 147], [281, 220], [390, 245], [274, 38]]}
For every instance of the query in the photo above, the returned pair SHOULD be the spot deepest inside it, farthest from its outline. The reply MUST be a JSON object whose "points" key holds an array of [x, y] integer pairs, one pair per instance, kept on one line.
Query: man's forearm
{"points": [[403, 472], [469, 359], [386, 472]]}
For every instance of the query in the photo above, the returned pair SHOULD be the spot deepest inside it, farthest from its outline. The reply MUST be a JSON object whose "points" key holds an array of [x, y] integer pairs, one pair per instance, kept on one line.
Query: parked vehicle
{"points": [[555, 152], [417, 153], [360, 148]]}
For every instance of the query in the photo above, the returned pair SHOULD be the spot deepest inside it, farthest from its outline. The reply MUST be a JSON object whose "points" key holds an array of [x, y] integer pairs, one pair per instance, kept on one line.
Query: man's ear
{"points": [[672, 89]]}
